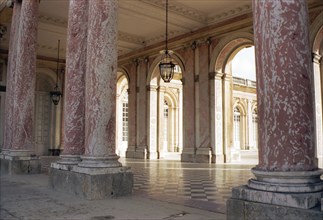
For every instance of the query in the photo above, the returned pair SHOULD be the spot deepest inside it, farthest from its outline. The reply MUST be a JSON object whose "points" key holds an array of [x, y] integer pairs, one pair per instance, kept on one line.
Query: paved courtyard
{"points": [[162, 190]]}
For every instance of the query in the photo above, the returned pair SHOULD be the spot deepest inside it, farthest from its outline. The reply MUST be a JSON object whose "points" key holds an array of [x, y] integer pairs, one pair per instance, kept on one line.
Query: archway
{"points": [[47, 115], [317, 50], [228, 88], [164, 113], [122, 115]]}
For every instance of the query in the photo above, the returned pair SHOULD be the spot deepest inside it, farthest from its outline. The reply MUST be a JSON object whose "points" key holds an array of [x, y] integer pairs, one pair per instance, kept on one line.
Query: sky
{"points": [[243, 64]]}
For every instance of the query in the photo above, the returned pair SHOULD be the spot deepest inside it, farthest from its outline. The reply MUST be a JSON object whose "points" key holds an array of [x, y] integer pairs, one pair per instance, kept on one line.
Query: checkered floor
{"points": [[204, 186]]}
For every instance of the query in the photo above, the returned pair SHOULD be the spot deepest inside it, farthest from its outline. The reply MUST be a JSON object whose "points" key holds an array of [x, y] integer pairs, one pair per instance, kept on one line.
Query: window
{"points": [[125, 117], [165, 124], [236, 127]]}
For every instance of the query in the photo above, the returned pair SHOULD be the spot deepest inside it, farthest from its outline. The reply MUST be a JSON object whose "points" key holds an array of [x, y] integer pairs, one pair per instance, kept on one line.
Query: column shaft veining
{"points": [[100, 92], [24, 78], [285, 97], [74, 97], [11, 75]]}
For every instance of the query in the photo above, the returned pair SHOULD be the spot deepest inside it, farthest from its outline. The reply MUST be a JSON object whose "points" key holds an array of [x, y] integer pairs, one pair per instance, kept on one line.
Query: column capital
{"points": [[317, 58], [152, 88], [161, 88], [218, 75], [183, 80]]}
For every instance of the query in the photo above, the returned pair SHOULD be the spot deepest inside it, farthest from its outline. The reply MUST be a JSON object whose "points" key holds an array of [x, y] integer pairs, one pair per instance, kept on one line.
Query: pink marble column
{"points": [[188, 154], [24, 80], [203, 148], [74, 95], [285, 98], [142, 111], [11, 76], [100, 88]]}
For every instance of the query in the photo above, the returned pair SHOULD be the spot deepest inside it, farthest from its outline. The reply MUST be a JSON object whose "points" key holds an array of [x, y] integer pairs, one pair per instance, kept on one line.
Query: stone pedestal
{"points": [[287, 183], [98, 174], [243, 209], [91, 183], [21, 162], [188, 155], [203, 155]]}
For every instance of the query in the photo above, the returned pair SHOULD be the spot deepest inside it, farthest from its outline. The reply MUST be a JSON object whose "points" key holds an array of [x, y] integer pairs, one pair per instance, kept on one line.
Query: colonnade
{"points": [[287, 98]]}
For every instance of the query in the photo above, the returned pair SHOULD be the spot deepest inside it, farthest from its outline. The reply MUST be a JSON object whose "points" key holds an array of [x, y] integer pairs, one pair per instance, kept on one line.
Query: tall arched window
{"points": [[124, 102], [166, 124], [236, 127]]}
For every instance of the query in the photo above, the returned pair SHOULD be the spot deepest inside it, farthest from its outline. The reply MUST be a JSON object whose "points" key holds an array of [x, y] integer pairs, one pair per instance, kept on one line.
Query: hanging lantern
{"points": [[56, 94], [166, 66]]}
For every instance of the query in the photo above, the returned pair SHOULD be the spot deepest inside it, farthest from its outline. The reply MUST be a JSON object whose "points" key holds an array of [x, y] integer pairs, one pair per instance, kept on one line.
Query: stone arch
{"points": [[316, 34], [48, 120], [46, 75], [241, 106], [316, 38], [227, 48], [123, 72], [153, 76], [122, 113]]}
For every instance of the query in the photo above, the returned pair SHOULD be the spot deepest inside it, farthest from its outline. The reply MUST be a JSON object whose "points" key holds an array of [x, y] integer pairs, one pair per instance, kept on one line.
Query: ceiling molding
{"points": [[58, 21]]}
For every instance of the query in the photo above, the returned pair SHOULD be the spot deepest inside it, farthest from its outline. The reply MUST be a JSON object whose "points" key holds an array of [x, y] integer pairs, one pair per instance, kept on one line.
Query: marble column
{"points": [[152, 116], [204, 144], [188, 153], [228, 148], [132, 111], [161, 122], [74, 95], [100, 86], [22, 142], [19, 129], [99, 175], [287, 178], [11, 71], [142, 111], [216, 118]]}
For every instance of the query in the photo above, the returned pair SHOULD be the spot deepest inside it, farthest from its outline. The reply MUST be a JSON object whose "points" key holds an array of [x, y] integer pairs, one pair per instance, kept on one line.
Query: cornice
{"points": [[53, 20]]}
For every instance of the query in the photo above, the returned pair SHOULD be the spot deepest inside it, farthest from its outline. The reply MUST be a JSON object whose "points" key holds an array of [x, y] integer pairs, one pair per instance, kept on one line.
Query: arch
{"points": [[122, 114], [316, 34], [46, 74], [153, 68], [316, 37], [226, 49], [48, 120], [241, 106], [123, 72]]}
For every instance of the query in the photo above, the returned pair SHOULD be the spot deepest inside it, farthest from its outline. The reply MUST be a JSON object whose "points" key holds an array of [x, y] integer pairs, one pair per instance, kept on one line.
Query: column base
{"points": [[139, 153], [320, 161], [289, 182], [19, 165], [203, 155], [188, 155], [69, 159], [219, 158], [152, 155], [249, 210], [91, 183]]}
